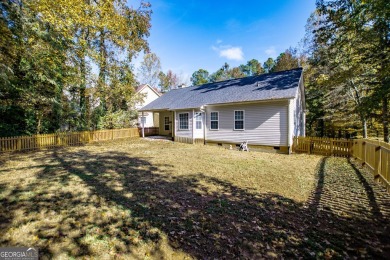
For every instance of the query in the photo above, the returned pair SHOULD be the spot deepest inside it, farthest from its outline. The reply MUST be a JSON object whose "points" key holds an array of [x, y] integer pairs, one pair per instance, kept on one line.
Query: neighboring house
{"points": [[148, 94], [265, 110]]}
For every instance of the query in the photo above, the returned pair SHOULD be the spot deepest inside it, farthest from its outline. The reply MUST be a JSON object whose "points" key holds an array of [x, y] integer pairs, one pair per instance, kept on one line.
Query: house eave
{"points": [[219, 104], [250, 102]]}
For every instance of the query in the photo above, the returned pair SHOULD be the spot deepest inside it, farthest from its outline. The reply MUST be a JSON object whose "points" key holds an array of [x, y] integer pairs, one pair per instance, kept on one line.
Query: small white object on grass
{"points": [[244, 146]]}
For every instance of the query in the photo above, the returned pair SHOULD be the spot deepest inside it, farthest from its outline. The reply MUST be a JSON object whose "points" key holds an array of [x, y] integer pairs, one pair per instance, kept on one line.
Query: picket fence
{"points": [[374, 154], [34, 142]]}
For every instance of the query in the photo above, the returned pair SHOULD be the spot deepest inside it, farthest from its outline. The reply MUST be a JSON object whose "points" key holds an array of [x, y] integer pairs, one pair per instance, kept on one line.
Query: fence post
{"points": [[363, 153], [331, 147], [377, 169], [309, 151], [294, 143], [19, 143]]}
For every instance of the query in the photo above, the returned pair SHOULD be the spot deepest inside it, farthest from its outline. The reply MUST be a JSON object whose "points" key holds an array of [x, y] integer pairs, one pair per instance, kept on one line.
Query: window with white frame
{"points": [[238, 120], [214, 121], [166, 123], [198, 120], [143, 120], [183, 121]]}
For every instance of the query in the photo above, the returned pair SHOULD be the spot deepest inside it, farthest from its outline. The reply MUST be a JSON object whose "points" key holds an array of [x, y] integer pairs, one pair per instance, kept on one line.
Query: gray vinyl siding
{"points": [[184, 133], [265, 123]]}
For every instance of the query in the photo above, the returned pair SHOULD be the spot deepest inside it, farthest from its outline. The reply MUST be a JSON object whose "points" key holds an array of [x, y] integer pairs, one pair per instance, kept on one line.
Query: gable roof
{"points": [[278, 85], [141, 87]]}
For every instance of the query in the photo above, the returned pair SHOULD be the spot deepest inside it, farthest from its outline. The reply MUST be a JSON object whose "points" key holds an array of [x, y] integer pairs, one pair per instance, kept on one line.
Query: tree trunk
{"points": [[102, 69], [385, 115], [364, 126], [82, 89], [39, 122], [83, 82]]}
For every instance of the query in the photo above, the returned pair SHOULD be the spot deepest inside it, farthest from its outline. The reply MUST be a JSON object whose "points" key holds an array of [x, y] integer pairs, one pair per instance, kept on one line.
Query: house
{"points": [[266, 110], [147, 94]]}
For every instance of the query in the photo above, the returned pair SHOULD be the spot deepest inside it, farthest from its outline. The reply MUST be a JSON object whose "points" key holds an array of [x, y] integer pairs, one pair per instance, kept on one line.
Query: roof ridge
{"points": [[247, 77]]}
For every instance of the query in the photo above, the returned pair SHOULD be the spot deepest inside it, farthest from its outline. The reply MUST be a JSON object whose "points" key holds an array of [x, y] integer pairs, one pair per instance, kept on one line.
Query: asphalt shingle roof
{"points": [[278, 85]]}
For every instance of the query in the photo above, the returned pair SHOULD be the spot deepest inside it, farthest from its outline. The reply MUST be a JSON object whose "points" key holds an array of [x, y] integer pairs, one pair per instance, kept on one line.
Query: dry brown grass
{"points": [[137, 199]]}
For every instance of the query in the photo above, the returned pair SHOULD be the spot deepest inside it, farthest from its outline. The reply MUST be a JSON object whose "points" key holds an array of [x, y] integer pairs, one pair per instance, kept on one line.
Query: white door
{"points": [[198, 125]]}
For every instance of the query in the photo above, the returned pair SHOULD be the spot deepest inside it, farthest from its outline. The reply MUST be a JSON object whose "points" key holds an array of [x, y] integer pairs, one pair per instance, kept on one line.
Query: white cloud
{"points": [[271, 51], [219, 41], [233, 53], [229, 52]]}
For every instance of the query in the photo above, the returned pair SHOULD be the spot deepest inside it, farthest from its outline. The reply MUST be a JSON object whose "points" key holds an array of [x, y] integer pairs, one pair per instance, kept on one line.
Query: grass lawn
{"points": [[139, 199]]}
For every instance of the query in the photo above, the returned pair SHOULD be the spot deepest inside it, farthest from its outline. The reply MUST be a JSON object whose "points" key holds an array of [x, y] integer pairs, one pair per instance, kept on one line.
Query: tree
{"points": [[221, 74], [286, 61], [200, 77], [236, 73], [48, 49], [150, 69], [352, 40], [33, 75], [253, 68], [168, 81], [268, 65]]}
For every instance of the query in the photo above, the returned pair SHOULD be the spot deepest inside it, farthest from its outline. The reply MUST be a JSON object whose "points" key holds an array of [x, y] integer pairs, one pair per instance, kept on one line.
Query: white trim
{"points": [[158, 94], [143, 126], [188, 121], [214, 120], [174, 125], [193, 127], [204, 125], [290, 119], [234, 120]]}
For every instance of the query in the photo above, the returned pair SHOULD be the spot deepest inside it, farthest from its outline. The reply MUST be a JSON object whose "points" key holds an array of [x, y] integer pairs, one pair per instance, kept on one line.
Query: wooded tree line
{"points": [[347, 70], [285, 61], [65, 64]]}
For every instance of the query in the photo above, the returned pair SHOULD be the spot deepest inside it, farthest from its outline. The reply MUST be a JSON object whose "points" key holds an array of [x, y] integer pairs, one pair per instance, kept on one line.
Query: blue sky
{"points": [[189, 35]]}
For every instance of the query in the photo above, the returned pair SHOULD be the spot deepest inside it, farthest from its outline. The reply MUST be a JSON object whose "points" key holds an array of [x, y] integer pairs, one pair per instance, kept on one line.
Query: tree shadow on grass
{"points": [[203, 216]]}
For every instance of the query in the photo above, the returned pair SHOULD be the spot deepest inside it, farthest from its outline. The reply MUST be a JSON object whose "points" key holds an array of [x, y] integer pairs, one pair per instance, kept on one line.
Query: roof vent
{"points": [[182, 86]]}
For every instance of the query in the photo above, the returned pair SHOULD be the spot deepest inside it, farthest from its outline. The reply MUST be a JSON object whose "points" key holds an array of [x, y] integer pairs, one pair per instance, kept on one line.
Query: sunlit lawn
{"points": [[138, 199]]}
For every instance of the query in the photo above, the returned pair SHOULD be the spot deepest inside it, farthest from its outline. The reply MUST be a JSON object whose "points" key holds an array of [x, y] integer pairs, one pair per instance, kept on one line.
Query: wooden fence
{"points": [[34, 142], [374, 154], [322, 146]]}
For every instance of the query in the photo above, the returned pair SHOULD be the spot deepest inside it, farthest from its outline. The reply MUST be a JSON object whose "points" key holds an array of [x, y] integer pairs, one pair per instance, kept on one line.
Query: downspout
{"points": [[143, 124], [174, 126], [203, 110], [289, 132], [193, 126]]}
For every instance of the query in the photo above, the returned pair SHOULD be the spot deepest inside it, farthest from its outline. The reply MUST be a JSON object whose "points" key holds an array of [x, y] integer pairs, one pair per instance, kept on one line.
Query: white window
{"points": [[198, 120], [166, 123], [183, 121], [214, 121], [238, 120], [143, 120]]}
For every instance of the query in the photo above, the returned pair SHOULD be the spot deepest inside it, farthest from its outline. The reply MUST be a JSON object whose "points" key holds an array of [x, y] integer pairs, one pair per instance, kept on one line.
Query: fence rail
{"points": [[374, 154], [34, 142], [322, 146]]}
